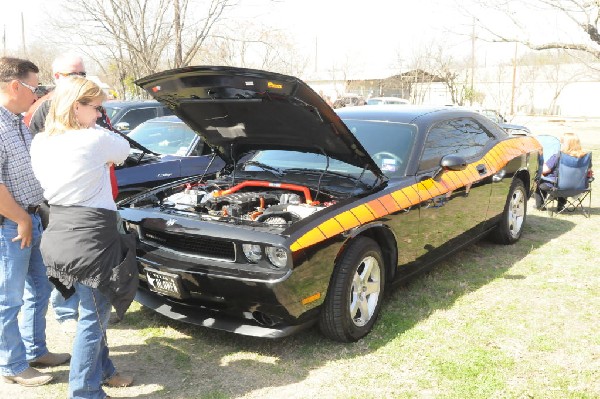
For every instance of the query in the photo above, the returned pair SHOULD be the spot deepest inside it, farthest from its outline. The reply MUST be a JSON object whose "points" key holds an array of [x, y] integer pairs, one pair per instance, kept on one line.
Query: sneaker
{"points": [[28, 378], [119, 380], [50, 360]]}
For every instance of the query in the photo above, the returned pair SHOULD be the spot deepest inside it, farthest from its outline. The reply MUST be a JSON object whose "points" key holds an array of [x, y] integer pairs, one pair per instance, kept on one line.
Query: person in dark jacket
{"points": [[82, 248]]}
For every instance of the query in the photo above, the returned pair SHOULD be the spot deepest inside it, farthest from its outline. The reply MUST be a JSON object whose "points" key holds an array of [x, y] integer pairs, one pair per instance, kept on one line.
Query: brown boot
{"points": [[50, 360], [28, 378], [119, 380]]}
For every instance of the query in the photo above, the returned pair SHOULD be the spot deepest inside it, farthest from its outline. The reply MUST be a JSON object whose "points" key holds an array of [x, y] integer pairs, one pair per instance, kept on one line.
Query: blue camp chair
{"points": [[573, 183], [550, 145]]}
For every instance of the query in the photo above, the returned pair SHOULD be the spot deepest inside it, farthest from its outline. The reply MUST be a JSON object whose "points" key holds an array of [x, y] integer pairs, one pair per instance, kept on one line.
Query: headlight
{"points": [[277, 256], [252, 252]]}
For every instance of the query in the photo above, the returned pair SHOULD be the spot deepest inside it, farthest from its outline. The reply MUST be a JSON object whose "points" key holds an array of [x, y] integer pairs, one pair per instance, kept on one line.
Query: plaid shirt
{"points": [[15, 163]]}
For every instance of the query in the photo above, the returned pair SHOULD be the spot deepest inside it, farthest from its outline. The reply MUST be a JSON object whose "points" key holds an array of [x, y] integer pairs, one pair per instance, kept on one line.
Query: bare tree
{"points": [[511, 21], [251, 45], [134, 38]]}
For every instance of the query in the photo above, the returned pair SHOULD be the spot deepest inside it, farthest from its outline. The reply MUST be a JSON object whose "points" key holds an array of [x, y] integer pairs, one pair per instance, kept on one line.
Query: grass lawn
{"points": [[491, 321]]}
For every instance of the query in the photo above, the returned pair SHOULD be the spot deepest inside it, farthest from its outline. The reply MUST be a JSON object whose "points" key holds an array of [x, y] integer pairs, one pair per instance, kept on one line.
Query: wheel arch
{"points": [[525, 177], [386, 239]]}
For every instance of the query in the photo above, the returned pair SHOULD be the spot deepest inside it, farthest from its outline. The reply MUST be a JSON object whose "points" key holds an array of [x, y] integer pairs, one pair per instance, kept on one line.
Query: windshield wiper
{"points": [[268, 168]]}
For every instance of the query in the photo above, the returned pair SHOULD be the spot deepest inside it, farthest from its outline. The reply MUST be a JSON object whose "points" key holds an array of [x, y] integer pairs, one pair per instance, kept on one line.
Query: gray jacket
{"points": [[82, 244]]}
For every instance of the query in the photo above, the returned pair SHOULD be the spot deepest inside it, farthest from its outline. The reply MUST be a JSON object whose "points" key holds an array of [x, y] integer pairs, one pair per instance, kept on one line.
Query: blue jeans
{"points": [[64, 309], [90, 364], [24, 287]]}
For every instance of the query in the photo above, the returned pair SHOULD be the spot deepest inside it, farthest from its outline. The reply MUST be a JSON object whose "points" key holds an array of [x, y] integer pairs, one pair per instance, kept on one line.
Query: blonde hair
{"points": [[571, 145], [61, 116]]}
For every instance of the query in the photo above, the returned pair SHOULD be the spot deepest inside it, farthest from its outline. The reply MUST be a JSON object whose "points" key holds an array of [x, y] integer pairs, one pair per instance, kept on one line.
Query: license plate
{"points": [[164, 283]]}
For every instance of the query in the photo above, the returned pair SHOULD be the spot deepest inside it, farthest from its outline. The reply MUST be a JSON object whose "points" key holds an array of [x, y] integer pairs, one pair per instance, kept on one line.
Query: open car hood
{"points": [[238, 110]]}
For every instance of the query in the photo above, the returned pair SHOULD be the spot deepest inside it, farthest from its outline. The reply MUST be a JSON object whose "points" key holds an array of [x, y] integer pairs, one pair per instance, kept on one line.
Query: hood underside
{"points": [[239, 110]]}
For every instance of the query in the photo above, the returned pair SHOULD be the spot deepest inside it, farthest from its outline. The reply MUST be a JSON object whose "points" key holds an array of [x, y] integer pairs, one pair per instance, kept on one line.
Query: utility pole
{"points": [[316, 54], [514, 79], [472, 62], [23, 34]]}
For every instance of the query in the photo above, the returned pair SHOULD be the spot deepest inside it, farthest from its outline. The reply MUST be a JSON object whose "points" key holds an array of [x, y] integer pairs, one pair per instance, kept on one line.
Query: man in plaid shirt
{"points": [[24, 285]]}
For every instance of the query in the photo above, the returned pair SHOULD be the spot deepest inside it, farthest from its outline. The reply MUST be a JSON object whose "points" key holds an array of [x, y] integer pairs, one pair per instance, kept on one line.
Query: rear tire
{"points": [[509, 229], [355, 292]]}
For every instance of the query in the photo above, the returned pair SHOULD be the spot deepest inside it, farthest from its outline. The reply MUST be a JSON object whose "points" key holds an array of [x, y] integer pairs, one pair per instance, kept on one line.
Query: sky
{"points": [[333, 30], [375, 37]]}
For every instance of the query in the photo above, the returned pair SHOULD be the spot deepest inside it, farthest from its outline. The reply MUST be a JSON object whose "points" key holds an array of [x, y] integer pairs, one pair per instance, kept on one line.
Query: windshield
{"points": [[388, 143], [163, 137]]}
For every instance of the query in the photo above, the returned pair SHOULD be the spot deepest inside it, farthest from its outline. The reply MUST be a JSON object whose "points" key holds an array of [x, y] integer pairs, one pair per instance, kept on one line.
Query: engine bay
{"points": [[263, 202]]}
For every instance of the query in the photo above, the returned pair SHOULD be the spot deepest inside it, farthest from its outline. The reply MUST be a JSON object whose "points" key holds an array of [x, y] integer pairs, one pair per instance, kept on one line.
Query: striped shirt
{"points": [[15, 162]]}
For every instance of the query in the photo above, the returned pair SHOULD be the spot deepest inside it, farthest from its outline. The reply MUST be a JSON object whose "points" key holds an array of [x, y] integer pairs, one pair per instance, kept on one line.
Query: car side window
{"points": [[460, 136], [136, 116]]}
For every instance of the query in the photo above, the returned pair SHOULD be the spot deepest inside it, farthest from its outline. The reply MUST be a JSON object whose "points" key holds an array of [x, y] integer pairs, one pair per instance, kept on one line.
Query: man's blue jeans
{"points": [[24, 287], [90, 364], [64, 309]]}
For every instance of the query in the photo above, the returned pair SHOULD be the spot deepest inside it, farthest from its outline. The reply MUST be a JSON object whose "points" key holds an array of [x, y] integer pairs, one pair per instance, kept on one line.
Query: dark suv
{"points": [[127, 115]]}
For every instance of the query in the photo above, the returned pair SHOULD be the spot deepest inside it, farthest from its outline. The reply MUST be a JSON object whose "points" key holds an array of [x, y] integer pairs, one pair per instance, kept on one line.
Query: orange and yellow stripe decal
{"points": [[494, 160]]}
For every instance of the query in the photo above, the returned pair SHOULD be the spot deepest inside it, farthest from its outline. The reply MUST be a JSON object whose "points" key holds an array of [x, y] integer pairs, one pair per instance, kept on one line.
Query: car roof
{"points": [[401, 113]]}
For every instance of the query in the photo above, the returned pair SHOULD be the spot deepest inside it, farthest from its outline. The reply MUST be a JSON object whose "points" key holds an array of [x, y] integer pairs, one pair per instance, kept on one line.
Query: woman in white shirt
{"points": [[81, 247]]}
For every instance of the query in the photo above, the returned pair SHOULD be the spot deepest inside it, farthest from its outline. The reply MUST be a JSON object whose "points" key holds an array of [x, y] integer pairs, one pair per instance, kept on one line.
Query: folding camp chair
{"points": [[573, 183], [550, 146]]}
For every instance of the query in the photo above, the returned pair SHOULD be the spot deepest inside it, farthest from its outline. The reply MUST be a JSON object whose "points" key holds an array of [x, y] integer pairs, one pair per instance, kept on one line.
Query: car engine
{"points": [[258, 201]]}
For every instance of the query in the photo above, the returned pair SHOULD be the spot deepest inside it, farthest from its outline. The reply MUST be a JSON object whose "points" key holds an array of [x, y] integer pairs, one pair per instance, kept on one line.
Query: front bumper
{"points": [[212, 319]]}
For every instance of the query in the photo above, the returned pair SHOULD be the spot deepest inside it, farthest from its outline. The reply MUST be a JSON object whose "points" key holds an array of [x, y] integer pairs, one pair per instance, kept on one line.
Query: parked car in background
{"points": [[329, 211], [492, 114], [163, 149], [127, 115], [349, 100], [515, 130], [386, 100]]}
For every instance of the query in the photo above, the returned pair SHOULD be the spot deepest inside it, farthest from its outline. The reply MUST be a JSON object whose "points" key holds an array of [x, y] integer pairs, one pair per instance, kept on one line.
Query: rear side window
{"points": [[460, 136]]}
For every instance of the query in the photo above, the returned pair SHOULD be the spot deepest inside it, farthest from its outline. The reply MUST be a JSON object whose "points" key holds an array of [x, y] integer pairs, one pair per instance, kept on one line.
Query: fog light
{"points": [[252, 252], [278, 256]]}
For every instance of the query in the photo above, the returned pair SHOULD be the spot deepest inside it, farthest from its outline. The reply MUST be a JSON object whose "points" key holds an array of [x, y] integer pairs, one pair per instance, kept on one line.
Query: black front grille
{"points": [[192, 245]]}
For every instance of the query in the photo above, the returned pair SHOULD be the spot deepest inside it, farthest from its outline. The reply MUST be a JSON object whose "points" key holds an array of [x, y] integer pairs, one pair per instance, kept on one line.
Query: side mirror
{"points": [[122, 126], [450, 162], [453, 162]]}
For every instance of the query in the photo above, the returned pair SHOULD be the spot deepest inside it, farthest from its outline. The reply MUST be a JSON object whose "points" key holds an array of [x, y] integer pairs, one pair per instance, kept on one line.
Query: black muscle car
{"points": [[317, 213]]}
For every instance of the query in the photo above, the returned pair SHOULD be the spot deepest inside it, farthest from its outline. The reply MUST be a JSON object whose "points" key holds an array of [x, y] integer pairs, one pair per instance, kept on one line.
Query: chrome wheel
{"points": [[516, 213], [355, 292], [365, 290]]}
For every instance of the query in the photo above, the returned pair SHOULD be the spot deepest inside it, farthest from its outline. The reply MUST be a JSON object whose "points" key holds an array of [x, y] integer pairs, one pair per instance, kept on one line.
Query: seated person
{"points": [[570, 145]]}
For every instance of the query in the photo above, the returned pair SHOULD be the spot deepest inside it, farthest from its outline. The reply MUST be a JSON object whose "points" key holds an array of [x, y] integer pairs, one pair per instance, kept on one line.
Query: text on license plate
{"points": [[164, 283]]}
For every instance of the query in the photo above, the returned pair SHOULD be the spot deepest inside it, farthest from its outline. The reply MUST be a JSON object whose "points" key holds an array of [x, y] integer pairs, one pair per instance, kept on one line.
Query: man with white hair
{"points": [[65, 65]]}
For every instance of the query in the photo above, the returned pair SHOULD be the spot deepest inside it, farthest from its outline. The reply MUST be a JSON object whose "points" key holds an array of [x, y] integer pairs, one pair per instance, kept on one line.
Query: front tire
{"points": [[509, 229], [355, 292]]}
